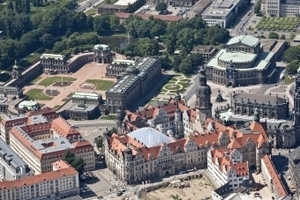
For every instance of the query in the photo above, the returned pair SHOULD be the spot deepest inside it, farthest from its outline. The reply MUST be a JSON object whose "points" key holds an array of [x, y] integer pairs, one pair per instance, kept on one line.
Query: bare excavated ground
{"points": [[199, 189]]}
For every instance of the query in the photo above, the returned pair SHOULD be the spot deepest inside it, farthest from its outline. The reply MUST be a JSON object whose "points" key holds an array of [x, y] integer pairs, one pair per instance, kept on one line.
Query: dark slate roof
{"points": [[259, 98]]}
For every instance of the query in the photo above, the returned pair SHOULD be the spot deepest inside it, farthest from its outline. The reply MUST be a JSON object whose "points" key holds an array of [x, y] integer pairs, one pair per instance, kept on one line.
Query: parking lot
{"points": [[172, 11], [100, 183]]}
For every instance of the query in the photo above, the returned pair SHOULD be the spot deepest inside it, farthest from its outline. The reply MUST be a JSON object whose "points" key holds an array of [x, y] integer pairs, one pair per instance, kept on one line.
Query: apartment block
{"points": [[62, 182]]}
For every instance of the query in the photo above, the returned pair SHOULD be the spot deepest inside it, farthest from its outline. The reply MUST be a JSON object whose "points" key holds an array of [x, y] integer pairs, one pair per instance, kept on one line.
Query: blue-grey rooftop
{"points": [[150, 137], [52, 145], [262, 60], [10, 157], [122, 85], [82, 107]]}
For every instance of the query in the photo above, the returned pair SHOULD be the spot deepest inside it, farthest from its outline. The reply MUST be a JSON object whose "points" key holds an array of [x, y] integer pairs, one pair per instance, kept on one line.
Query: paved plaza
{"points": [[88, 71]]}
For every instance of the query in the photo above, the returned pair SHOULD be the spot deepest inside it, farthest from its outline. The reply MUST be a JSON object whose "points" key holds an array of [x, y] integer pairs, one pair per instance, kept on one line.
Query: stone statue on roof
{"points": [[219, 97], [256, 115]]}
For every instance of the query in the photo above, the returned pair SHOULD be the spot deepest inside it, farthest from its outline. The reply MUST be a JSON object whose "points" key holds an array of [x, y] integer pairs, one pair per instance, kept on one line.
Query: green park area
{"points": [[278, 23], [100, 84], [178, 82], [92, 11], [37, 94], [56, 79]]}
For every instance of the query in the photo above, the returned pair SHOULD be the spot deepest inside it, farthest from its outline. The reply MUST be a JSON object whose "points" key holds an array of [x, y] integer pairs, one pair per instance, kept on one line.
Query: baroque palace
{"points": [[151, 143]]}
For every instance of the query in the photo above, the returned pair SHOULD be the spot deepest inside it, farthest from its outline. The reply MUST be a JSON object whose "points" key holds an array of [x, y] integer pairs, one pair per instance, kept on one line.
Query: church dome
{"points": [[132, 70]]}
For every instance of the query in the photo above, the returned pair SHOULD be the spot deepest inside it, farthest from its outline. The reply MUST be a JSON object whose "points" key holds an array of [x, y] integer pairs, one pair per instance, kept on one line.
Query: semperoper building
{"points": [[242, 62]]}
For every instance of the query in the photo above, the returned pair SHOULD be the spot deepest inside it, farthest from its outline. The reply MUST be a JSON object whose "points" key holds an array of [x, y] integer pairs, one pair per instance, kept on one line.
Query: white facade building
{"points": [[57, 184], [227, 166], [12, 167], [220, 12]]}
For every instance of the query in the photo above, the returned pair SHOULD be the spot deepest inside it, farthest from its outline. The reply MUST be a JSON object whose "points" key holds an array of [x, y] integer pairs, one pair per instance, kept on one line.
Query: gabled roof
{"points": [[276, 180]]}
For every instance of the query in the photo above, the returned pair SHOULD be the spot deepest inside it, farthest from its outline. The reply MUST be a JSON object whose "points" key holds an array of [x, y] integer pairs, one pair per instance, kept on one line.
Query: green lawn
{"points": [[32, 58], [100, 84], [37, 94], [57, 107], [92, 11], [109, 117], [184, 84], [54, 79], [36, 80], [288, 80]]}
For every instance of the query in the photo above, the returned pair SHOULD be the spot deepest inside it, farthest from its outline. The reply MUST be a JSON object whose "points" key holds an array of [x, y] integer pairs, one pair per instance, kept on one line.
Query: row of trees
{"points": [[181, 36], [292, 56], [76, 162]]}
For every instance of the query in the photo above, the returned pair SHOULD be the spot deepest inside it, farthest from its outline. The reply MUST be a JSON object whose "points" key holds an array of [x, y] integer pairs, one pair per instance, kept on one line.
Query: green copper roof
{"points": [[244, 39]]}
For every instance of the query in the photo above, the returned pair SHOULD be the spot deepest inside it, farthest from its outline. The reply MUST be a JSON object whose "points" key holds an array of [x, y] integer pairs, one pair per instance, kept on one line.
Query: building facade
{"points": [[117, 67], [56, 63], [135, 84], [273, 179], [271, 107], [146, 153], [227, 167], [222, 12], [102, 54], [277, 8], [206, 51], [12, 167], [294, 169], [41, 138], [242, 62], [60, 183]]}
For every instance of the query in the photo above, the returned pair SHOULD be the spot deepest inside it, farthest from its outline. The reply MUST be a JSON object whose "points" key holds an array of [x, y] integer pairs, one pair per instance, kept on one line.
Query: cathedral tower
{"points": [[203, 101]]}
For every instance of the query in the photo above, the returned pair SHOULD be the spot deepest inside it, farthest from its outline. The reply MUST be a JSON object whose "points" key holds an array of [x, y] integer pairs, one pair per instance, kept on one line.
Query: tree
{"points": [[292, 53], [69, 157], [292, 67], [47, 40], [273, 35], [257, 7], [282, 37], [161, 6], [77, 163]]}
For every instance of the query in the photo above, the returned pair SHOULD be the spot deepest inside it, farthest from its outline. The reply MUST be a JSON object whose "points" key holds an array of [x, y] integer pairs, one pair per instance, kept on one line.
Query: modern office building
{"points": [[62, 181], [222, 12], [278, 8], [241, 62], [12, 166], [137, 81]]}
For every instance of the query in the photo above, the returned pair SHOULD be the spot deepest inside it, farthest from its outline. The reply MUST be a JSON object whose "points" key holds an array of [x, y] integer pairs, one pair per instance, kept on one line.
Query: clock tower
{"points": [[203, 101]]}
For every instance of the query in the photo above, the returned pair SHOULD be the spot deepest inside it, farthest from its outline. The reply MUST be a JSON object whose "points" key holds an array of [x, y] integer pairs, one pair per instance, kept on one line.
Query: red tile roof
{"points": [[32, 180], [146, 16], [276, 180]]}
